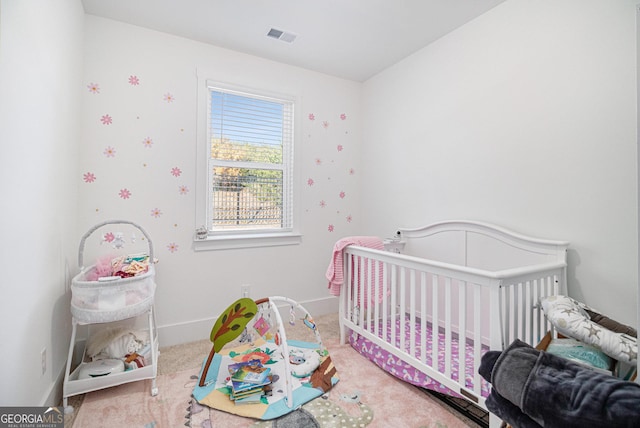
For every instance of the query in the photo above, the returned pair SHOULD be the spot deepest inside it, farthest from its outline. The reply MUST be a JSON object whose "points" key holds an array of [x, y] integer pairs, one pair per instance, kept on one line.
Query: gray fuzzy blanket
{"points": [[533, 388]]}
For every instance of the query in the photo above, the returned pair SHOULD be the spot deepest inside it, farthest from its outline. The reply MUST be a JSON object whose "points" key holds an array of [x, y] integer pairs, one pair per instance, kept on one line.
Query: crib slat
{"points": [[385, 288], [525, 310], [394, 293], [477, 338], [361, 290], [349, 288], [506, 292], [378, 287], [531, 304], [519, 287], [447, 327], [403, 308], [369, 290], [514, 312], [412, 308], [553, 289], [539, 295], [355, 289], [423, 317], [435, 320], [462, 330]]}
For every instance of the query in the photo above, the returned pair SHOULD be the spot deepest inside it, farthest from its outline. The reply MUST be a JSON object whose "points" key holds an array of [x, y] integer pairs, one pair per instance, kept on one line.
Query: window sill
{"points": [[213, 243]]}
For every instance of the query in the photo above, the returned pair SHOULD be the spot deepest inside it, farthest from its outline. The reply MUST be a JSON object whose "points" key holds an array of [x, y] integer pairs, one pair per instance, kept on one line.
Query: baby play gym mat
{"points": [[290, 373]]}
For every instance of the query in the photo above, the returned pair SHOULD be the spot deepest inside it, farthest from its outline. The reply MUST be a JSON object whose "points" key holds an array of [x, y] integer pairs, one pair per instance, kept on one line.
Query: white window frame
{"points": [[218, 240]]}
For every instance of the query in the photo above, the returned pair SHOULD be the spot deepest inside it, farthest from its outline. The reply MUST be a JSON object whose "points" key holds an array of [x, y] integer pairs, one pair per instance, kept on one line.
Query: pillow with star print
{"points": [[570, 319]]}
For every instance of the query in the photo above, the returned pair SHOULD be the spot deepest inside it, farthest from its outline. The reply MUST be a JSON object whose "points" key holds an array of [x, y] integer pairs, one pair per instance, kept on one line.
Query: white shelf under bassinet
{"points": [[73, 385], [98, 302]]}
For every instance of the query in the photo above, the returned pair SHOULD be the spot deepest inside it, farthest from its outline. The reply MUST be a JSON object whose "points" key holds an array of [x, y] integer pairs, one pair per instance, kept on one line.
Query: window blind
{"points": [[251, 161]]}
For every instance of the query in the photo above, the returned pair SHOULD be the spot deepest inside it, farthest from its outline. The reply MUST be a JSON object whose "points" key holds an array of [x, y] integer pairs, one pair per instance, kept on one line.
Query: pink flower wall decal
{"points": [[134, 81], [310, 182], [352, 171], [89, 177], [109, 237], [175, 171], [325, 124], [183, 190], [330, 228], [156, 213], [106, 120], [147, 142], [349, 218], [169, 98], [318, 161], [94, 88], [339, 147], [342, 195], [109, 152], [343, 116], [312, 116], [172, 247], [125, 193], [322, 204]]}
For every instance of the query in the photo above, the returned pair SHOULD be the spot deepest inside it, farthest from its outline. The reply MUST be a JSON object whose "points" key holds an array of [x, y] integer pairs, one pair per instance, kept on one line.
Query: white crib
{"points": [[446, 293]]}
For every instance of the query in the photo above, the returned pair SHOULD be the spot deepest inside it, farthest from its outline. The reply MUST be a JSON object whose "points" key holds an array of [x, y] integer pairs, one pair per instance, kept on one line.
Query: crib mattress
{"points": [[402, 370]]}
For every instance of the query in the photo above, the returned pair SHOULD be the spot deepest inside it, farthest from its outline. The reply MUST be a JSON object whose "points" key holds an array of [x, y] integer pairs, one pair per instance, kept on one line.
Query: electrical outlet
{"points": [[43, 357], [245, 290]]}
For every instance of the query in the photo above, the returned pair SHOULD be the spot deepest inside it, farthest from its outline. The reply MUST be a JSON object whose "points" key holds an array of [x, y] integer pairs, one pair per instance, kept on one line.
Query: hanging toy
{"points": [[108, 238], [246, 337], [308, 321], [292, 315], [118, 240], [262, 326]]}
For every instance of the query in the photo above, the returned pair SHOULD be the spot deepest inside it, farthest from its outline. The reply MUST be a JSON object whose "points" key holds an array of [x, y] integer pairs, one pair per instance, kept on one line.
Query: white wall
{"points": [[194, 287], [40, 66], [524, 117]]}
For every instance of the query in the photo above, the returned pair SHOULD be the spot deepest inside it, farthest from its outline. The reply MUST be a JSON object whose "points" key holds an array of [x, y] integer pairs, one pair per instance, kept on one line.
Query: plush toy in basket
{"points": [[264, 376], [116, 286]]}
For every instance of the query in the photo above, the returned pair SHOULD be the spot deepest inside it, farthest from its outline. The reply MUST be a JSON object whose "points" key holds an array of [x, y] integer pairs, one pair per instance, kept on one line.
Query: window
{"points": [[248, 150]]}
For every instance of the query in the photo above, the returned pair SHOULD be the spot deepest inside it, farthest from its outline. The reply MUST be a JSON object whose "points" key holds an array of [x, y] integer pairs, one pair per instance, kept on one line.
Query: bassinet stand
{"points": [[73, 385]]}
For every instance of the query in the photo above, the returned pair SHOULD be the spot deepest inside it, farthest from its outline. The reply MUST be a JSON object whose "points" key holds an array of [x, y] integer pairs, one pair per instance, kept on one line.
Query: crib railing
{"points": [[402, 303]]}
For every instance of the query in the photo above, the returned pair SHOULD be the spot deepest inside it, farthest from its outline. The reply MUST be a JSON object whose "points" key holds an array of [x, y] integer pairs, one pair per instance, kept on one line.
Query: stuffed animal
{"points": [[321, 377]]}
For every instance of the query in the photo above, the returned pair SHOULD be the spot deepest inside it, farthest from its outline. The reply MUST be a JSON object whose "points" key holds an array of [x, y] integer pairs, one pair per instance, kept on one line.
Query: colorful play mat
{"points": [[298, 371]]}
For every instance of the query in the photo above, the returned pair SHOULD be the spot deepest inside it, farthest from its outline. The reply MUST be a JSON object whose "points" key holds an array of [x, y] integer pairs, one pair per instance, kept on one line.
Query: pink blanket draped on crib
{"points": [[335, 274]]}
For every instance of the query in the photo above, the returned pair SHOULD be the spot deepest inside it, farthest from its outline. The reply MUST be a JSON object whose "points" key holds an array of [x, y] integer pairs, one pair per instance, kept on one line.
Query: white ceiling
{"points": [[352, 39]]}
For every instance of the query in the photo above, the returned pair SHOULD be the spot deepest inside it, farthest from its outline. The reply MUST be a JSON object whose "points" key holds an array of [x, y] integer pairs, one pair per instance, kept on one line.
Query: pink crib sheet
{"points": [[408, 373]]}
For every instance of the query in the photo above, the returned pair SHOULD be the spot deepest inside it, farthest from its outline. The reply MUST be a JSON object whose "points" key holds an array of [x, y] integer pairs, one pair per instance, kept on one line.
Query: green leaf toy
{"points": [[229, 326], [233, 320]]}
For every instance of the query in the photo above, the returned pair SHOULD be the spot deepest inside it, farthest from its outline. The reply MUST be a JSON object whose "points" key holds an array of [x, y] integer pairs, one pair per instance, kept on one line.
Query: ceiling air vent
{"points": [[281, 35]]}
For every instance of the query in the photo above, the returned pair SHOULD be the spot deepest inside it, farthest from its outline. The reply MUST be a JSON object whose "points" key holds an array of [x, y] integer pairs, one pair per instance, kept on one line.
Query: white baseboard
{"points": [[192, 331], [53, 396]]}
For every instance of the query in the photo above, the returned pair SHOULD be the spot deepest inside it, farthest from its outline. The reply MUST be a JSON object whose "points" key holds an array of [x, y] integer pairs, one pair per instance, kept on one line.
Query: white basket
{"points": [[106, 301]]}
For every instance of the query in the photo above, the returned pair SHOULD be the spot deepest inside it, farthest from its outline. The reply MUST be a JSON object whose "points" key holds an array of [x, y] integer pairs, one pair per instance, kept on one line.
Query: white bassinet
{"points": [[115, 298], [105, 300]]}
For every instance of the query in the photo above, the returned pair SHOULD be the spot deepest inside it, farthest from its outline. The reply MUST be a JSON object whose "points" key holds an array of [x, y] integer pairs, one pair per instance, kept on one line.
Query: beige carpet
{"points": [[363, 390]]}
